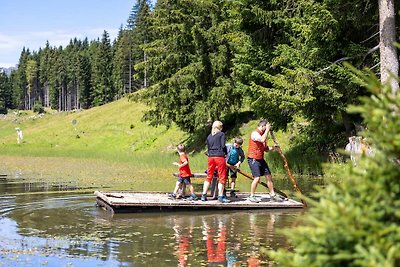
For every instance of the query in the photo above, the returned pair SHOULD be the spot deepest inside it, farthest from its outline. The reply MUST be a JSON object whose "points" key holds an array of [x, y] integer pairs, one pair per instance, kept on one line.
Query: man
{"points": [[257, 163]]}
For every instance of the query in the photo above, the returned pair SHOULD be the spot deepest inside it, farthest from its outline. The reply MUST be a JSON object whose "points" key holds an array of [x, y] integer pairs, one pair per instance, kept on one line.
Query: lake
{"points": [[42, 226]]}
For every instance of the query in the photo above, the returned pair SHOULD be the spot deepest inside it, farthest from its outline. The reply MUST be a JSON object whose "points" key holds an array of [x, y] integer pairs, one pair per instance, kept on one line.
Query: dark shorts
{"points": [[232, 172], [185, 180], [258, 167]]}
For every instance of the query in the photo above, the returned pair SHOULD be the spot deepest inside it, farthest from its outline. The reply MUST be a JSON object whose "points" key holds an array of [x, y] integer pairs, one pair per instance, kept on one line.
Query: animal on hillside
{"points": [[19, 135]]}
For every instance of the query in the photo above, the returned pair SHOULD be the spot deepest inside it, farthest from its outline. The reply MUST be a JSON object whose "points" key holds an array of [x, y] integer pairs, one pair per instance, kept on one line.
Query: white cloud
{"points": [[11, 44], [8, 42]]}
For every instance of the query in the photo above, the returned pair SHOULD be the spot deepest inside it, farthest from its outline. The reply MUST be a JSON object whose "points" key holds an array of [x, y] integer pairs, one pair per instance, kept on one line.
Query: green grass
{"points": [[109, 131], [105, 147]]}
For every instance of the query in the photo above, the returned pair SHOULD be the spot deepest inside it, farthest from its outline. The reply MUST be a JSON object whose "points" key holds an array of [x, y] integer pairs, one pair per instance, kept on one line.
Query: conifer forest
{"points": [[196, 61]]}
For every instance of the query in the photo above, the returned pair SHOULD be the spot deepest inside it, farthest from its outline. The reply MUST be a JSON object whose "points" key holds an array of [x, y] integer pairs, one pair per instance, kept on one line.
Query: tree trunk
{"points": [[388, 52]]}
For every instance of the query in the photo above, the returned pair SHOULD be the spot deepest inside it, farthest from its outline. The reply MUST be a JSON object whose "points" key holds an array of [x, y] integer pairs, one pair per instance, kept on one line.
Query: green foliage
{"points": [[5, 92], [38, 107], [291, 65], [357, 222], [103, 87], [84, 76], [190, 63], [207, 60]]}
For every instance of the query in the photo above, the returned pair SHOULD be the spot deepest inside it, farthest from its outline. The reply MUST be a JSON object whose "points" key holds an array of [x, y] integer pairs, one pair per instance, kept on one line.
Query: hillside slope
{"points": [[101, 132]]}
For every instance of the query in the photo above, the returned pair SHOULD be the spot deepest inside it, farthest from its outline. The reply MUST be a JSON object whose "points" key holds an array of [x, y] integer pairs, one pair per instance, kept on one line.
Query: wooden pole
{"points": [[251, 178], [286, 165]]}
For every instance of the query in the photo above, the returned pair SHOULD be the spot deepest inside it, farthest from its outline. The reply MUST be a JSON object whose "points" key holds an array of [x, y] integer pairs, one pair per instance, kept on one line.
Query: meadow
{"points": [[107, 147]]}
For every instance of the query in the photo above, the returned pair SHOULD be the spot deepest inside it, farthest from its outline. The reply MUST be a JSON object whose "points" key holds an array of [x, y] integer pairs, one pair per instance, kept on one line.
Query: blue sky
{"points": [[31, 23]]}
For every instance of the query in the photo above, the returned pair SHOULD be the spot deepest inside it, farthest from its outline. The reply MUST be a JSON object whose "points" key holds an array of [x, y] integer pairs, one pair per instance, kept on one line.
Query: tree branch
{"points": [[348, 58]]}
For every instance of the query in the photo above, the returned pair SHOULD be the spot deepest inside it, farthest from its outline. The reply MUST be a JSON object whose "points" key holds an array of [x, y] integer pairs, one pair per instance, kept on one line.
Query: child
{"points": [[184, 173], [235, 157]]}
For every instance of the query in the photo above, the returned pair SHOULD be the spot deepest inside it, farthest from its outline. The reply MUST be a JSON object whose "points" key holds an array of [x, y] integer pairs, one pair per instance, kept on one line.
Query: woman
{"points": [[216, 161]]}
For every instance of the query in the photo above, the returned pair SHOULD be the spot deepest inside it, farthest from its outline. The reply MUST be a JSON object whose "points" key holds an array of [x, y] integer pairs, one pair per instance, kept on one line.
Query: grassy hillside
{"points": [[104, 147], [108, 131]]}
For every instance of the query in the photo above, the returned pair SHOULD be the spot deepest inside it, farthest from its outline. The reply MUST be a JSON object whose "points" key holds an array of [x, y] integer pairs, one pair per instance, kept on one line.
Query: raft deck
{"points": [[118, 202]]}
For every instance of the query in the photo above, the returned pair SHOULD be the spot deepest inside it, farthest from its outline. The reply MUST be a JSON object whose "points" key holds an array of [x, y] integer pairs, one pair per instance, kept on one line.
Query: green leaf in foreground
{"points": [[357, 222]]}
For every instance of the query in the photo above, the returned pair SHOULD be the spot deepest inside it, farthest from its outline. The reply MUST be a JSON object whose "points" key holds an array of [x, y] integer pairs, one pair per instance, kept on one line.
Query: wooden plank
{"points": [[159, 201]]}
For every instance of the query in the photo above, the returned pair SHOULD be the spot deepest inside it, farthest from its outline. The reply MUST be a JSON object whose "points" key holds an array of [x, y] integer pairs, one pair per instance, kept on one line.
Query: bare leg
{"points": [[176, 187], [221, 189], [205, 187], [191, 189], [254, 186], [270, 184]]}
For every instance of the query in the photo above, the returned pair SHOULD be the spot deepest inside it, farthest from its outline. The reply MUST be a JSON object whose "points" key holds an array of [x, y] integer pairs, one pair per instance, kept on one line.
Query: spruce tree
{"points": [[190, 62], [123, 64], [356, 221], [4, 90], [139, 33], [84, 76], [291, 65], [103, 87]]}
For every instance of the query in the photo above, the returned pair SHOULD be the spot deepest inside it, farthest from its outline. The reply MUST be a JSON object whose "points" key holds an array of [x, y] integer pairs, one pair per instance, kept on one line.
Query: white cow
{"points": [[19, 135]]}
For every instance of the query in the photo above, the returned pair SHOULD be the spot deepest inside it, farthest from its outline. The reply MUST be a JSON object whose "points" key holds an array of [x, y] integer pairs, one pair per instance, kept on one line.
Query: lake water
{"points": [[42, 226]]}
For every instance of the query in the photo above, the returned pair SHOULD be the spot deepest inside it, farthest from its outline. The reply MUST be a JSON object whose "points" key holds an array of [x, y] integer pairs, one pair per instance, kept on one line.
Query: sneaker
{"points": [[193, 197], [172, 195], [203, 197], [253, 199], [232, 194], [223, 199], [275, 198]]}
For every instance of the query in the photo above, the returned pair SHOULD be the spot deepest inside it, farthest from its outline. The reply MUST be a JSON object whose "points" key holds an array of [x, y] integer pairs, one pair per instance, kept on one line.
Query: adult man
{"points": [[257, 163]]}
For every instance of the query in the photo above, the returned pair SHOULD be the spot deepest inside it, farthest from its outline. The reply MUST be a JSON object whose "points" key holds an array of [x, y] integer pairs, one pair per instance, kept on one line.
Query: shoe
{"points": [[193, 197], [203, 197], [253, 199], [275, 198], [223, 199], [232, 194], [172, 195]]}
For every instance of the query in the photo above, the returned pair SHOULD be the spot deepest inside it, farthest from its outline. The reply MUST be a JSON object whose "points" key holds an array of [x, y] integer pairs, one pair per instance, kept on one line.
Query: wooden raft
{"points": [[117, 202]]}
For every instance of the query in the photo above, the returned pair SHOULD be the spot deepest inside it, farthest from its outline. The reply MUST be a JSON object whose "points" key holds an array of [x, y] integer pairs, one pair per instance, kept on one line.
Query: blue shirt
{"points": [[234, 154]]}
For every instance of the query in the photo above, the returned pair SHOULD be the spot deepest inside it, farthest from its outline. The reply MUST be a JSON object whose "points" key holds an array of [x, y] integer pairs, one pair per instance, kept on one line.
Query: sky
{"points": [[30, 23]]}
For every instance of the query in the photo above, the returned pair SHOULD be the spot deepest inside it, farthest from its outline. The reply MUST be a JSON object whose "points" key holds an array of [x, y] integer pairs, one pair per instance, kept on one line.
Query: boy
{"points": [[184, 173], [235, 157]]}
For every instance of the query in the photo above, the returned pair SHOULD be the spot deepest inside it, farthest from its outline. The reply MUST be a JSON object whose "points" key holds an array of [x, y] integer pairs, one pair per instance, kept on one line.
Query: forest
{"points": [[194, 62], [326, 69]]}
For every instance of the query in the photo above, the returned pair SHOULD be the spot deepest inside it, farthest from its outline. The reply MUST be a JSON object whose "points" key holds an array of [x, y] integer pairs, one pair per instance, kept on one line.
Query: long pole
{"points": [[251, 178], [286, 165]]}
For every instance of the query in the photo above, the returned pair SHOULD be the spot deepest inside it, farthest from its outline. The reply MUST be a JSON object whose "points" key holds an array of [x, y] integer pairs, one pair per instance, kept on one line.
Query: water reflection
{"points": [[59, 230]]}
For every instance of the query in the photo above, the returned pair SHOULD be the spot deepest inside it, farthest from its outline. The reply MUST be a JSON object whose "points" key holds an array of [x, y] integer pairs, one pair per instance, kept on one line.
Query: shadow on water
{"points": [[64, 229]]}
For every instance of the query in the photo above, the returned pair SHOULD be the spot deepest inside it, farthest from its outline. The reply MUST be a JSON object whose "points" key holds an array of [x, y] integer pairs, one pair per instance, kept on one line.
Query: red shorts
{"points": [[219, 164]]}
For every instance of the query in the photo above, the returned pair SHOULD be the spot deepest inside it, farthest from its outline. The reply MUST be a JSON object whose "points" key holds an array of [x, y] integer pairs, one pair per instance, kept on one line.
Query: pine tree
{"points": [[190, 62], [123, 64], [139, 33], [20, 87], [103, 88], [44, 72], [84, 74], [31, 78], [356, 222], [4, 91], [293, 61]]}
